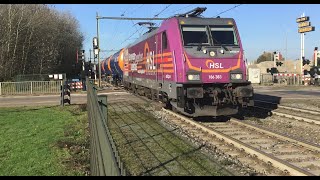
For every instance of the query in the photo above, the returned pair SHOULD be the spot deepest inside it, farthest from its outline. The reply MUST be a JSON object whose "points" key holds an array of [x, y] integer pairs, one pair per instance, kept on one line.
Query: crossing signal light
{"points": [[305, 61], [315, 71], [272, 70], [279, 63]]}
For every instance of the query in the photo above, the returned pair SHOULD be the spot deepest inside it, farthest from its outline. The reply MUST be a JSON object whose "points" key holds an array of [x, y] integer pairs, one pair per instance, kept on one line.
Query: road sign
{"points": [[304, 24], [302, 19], [306, 29]]}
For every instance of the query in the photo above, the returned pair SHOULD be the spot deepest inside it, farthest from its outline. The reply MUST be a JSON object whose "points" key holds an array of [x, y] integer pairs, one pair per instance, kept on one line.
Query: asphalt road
{"points": [[49, 100], [261, 93], [303, 93]]}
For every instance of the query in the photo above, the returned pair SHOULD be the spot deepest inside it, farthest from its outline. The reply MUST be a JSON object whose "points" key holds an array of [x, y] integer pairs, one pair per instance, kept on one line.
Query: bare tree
{"points": [[37, 39]]}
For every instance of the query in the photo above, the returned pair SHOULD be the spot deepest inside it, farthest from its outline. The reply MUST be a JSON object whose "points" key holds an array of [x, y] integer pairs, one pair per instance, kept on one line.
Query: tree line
{"points": [[37, 39]]}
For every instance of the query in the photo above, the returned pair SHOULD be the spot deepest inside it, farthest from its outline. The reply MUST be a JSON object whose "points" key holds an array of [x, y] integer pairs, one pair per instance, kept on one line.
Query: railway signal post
{"points": [[303, 27]]}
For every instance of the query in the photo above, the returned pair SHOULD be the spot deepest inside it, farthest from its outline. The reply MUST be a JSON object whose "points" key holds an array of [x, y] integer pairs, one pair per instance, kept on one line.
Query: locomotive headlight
{"points": [[212, 53], [236, 76], [194, 77]]}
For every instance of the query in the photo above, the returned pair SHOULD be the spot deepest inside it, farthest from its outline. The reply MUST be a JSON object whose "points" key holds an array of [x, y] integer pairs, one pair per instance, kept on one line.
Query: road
{"points": [[49, 100], [261, 93], [290, 92]]}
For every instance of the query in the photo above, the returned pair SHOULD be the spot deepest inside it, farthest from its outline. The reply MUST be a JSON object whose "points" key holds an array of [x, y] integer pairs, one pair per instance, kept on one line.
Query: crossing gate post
{"points": [[61, 94], [65, 90]]}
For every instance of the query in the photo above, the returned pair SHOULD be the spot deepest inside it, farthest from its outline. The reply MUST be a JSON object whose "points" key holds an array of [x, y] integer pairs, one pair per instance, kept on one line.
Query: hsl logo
{"points": [[212, 65]]}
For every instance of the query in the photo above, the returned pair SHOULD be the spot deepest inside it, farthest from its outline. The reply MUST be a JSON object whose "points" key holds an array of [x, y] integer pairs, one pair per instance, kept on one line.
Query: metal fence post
{"points": [[31, 87], [0, 88], [103, 105]]}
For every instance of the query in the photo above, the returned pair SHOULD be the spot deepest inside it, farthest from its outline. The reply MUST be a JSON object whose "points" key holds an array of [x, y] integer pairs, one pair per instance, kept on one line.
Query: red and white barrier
{"points": [[76, 85], [286, 74]]}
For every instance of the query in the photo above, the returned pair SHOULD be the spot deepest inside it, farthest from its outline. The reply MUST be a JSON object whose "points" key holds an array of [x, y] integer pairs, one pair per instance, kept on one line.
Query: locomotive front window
{"points": [[225, 36], [195, 35]]}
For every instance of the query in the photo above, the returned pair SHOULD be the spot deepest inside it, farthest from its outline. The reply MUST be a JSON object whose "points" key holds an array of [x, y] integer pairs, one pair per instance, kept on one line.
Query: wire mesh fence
{"points": [[104, 157]]}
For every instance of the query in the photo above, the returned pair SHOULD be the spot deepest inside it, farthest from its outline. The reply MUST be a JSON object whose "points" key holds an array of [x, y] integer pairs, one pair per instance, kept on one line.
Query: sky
{"points": [[262, 27]]}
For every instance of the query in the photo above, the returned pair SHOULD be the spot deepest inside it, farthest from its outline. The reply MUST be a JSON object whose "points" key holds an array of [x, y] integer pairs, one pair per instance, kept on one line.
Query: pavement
{"points": [[50, 100], [267, 93], [294, 92]]}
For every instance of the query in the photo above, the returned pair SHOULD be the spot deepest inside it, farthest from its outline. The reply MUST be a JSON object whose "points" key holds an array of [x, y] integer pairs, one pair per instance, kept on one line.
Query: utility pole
{"points": [[99, 66]]}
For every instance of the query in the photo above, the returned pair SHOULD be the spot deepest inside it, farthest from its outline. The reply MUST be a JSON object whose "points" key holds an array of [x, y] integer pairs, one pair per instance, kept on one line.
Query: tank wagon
{"points": [[192, 64]]}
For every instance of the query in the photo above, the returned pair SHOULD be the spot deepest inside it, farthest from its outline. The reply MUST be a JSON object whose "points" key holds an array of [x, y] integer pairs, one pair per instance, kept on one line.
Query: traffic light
{"points": [[95, 43], [272, 70], [80, 55], [89, 69], [305, 61], [315, 71]]}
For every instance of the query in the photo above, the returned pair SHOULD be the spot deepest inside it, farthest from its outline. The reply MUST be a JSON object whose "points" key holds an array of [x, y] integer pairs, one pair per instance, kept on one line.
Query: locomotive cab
{"points": [[216, 82], [191, 63]]}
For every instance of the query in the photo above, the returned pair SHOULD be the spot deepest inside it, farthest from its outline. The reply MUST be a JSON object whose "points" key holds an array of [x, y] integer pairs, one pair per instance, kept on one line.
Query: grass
{"points": [[43, 141], [148, 148]]}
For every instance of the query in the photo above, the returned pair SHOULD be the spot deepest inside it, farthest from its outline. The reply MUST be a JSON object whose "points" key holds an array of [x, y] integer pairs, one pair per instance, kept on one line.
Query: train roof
{"points": [[186, 21], [143, 37], [204, 21]]}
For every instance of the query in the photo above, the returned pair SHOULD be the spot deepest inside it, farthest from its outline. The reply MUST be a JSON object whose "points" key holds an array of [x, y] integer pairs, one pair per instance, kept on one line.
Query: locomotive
{"points": [[193, 64]]}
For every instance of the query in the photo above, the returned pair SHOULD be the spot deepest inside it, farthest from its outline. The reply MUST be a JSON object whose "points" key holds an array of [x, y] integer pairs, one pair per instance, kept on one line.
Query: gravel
{"points": [[292, 128], [231, 164]]}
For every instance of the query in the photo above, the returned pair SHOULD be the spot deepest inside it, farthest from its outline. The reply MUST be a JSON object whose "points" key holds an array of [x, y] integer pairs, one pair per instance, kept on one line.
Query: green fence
{"points": [[30, 88], [104, 160]]}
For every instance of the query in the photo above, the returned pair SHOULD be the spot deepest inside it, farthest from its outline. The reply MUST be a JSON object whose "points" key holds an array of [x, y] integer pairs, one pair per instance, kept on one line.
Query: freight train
{"points": [[194, 65]]}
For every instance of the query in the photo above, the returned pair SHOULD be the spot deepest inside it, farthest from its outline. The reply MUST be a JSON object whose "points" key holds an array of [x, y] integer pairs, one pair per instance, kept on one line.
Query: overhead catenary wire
{"points": [[228, 10], [115, 36], [130, 36], [154, 17], [172, 12], [162, 10]]}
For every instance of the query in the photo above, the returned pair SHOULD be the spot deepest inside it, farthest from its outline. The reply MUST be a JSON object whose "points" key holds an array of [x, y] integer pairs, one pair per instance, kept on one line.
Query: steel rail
{"points": [[276, 162]]}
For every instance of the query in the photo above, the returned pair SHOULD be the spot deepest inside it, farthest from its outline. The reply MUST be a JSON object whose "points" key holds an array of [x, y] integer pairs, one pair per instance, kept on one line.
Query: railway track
{"points": [[290, 112], [249, 143], [288, 155]]}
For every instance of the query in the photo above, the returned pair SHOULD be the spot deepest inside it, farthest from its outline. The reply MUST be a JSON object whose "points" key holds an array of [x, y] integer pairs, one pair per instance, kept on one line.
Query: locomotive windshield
{"points": [[195, 35], [225, 36], [209, 35]]}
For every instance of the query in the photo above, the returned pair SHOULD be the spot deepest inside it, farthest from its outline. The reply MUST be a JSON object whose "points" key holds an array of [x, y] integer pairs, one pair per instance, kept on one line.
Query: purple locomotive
{"points": [[192, 64]]}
